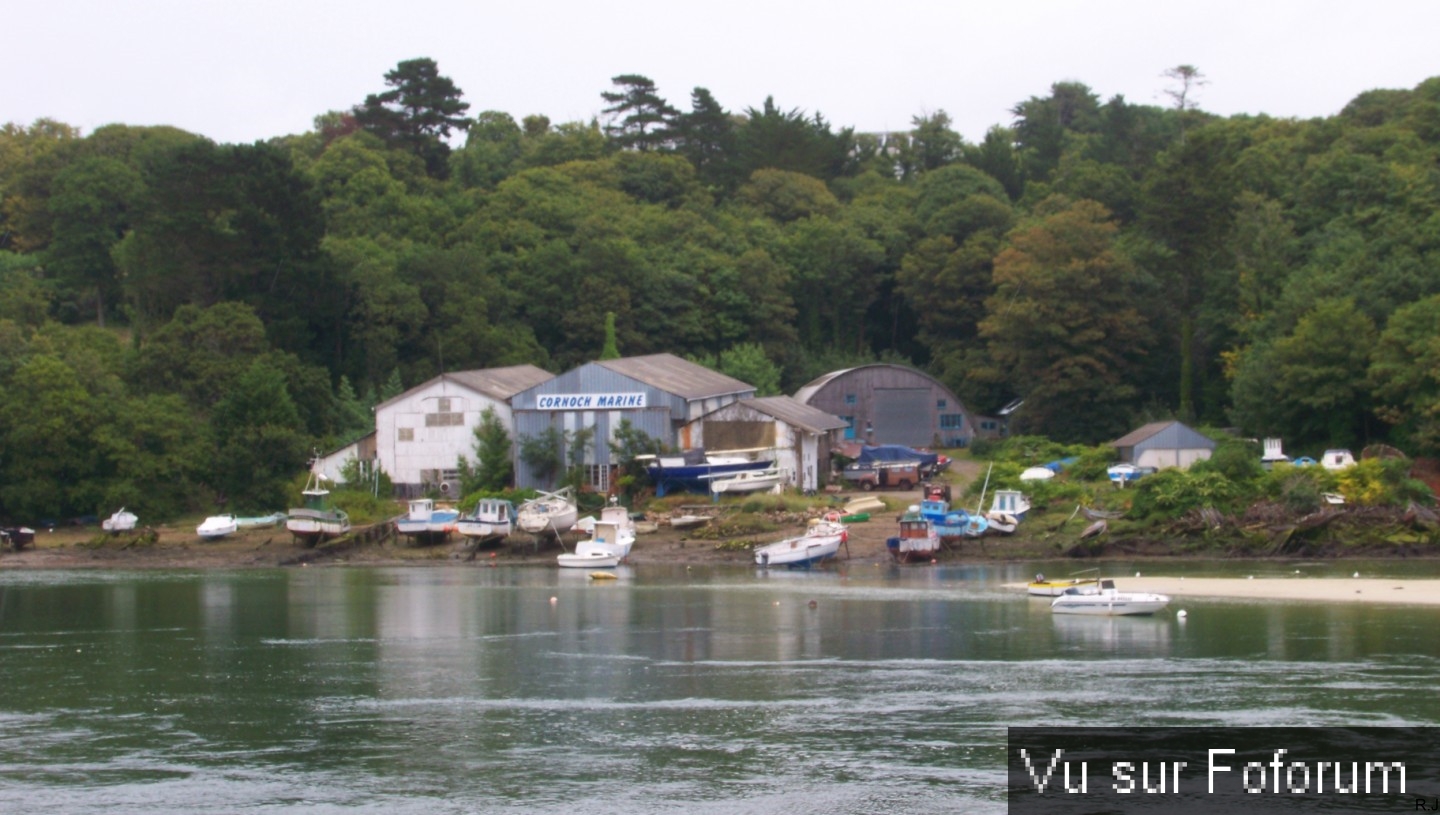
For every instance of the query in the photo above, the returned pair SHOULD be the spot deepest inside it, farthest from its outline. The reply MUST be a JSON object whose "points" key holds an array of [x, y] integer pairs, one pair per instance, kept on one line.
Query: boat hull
{"points": [[1054, 588], [1115, 604], [317, 525], [217, 527], [121, 521], [800, 553], [590, 560]]}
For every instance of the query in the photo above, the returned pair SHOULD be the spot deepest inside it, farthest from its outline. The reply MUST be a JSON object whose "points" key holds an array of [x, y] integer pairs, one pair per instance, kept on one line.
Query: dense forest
{"points": [[181, 321]]}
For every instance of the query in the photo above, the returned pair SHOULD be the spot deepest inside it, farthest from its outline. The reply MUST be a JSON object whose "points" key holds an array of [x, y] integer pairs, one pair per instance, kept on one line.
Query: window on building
{"points": [[850, 399], [941, 404], [598, 477], [405, 434], [443, 404], [444, 420], [952, 421], [849, 426]]}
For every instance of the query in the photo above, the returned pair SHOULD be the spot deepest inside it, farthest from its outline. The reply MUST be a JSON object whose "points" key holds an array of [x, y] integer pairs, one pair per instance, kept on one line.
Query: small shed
{"points": [[361, 450], [800, 436], [1164, 444]]}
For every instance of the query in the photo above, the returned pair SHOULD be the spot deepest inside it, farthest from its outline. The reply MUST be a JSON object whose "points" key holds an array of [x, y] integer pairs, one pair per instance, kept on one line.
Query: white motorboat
{"points": [[121, 521], [1126, 473], [217, 526], [317, 519], [821, 542], [548, 512], [493, 517], [1106, 600], [747, 481], [1037, 474], [611, 539], [1010, 502]]}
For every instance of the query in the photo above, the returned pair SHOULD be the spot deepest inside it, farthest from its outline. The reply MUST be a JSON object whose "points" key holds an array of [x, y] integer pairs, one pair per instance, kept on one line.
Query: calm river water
{"points": [[716, 690]]}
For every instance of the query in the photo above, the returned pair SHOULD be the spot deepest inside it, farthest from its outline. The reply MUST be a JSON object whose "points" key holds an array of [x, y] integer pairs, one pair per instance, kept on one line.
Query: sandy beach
{"points": [[1308, 589]]}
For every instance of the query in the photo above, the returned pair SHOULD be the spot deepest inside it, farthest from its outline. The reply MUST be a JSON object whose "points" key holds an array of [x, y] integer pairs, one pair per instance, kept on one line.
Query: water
{"points": [[714, 690]]}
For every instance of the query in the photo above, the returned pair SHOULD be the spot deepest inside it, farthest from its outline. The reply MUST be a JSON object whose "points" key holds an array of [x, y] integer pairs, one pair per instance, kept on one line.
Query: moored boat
{"points": [[611, 539], [821, 541], [316, 519], [1054, 587], [1106, 600]]}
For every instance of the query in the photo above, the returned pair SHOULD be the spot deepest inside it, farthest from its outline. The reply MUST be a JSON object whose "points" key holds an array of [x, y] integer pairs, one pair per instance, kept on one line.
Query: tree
{"points": [[707, 137], [639, 118], [1063, 325], [90, 206], [612, 348], [494, 470], [1189, 80], [260, 444], [747, 362], [933, 143], [1404, 374], [417, 113]]}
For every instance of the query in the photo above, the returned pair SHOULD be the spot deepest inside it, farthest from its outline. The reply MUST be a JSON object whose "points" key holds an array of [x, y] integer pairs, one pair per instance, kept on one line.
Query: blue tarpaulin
{"points": [[895, 452]]}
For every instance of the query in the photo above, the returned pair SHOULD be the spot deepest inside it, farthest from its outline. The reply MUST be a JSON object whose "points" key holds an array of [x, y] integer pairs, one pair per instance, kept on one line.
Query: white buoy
{"points": [[1181, 614], [1357, 574], [1137, 574], [1249, 577], [554, 600]]}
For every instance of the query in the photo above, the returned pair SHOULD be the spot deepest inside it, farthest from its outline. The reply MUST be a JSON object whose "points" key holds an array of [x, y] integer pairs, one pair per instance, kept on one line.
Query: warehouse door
{"points": [[902, 416]]}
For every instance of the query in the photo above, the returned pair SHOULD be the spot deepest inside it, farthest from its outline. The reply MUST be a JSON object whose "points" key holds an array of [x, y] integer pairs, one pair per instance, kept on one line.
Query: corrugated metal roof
{"points": [[1182, 436], [503, 383], [809, 389], [796, 413], [497, 383], [678, 376]]}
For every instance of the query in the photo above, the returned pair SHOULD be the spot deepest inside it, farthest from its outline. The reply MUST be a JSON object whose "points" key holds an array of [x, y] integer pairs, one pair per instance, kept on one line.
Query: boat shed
{"points": [[1164, 444], [885, 403], [800, 436], [362, 450], [421, 434], [659, 394]]}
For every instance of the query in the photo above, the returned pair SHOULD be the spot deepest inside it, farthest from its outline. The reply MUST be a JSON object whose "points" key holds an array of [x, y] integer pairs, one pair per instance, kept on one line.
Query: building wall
{"points": [[801, 456], [420, 436], [658, 413], [892, 404], [1162, 457]]}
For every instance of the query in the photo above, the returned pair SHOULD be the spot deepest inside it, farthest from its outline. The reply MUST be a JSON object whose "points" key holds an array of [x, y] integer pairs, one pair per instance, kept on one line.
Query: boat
{"points": [[424, 522], [317, 519], [1043, 587], [948, 523], [1037, 474], [491, 518], [121, 521], [918, 541], [693, 470], [747, 481], [1337, 459], [217, 526], [1106, 600], [1001, 523], [820, 542], [1010, 502], [254, 522], [611, 538], [1333, 498], [1124, 473], [548, 512], [17, 537], [689, 521]]}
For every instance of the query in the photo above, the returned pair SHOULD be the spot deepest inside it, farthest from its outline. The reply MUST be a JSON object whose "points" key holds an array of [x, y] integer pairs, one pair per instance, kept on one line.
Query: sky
{"points": [[240, 71]]}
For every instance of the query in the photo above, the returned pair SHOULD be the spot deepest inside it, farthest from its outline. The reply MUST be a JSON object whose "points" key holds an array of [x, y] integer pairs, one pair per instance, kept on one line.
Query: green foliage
{"points": [[1236, 459], [495, 470], [417, 113], [1173, 492]]}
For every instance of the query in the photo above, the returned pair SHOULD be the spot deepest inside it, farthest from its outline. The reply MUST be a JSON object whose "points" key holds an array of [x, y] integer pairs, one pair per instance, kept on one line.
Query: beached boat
{"points": [[491, 518], [611, 538], [1037, 474], [17, 537], [549, 512], [1124, 473], [918, 541], [694, 470], [746, 481], [820, 542], [1000, 523], [121, 521], [1010, 502], [1337, 459], [1043, 587], [948, 523], [425, 522], [689, 521], [1106, 600], [217, 526], [317, 519]]}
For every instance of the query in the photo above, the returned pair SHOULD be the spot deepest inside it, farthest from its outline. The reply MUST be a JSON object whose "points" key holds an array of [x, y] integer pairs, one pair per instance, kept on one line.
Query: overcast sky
{"points": [[246, 70]]}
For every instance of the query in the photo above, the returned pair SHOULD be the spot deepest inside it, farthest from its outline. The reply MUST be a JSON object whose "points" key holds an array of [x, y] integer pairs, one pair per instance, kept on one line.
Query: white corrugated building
{"points": [[1164, 444], [799, 435], [421, 434]]}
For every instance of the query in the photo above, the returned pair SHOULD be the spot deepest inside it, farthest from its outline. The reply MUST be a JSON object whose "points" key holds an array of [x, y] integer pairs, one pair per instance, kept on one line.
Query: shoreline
{"points": [[1373, 590]]}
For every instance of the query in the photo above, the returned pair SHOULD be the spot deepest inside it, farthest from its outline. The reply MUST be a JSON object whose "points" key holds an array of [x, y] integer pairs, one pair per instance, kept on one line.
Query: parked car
{"points": [[901, 475]]}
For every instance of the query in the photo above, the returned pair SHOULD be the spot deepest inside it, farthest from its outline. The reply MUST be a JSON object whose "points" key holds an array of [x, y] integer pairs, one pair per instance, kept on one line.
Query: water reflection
{"points": [[1130, 636]]}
